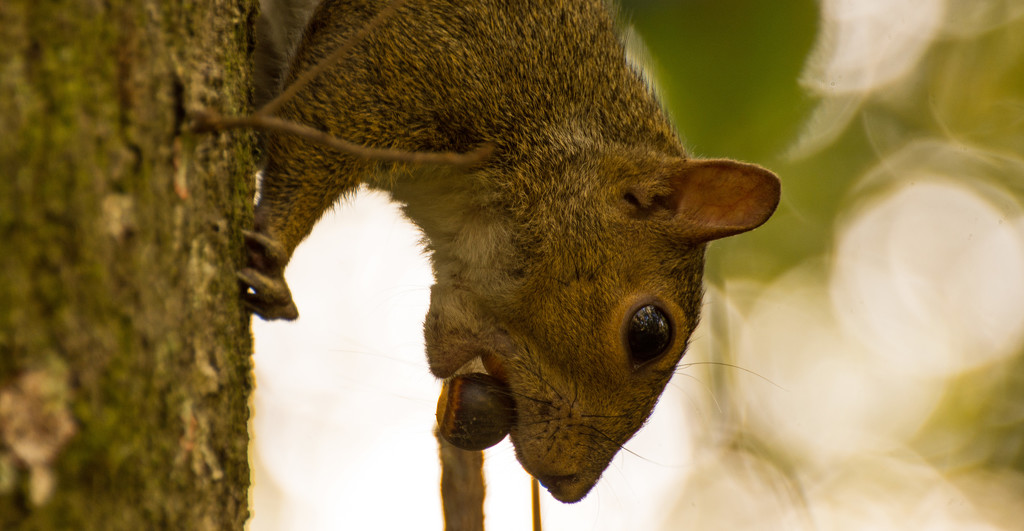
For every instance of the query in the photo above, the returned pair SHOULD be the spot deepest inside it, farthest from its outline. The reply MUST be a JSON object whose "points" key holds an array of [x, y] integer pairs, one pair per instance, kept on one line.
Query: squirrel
{"points": [[569, 262]]}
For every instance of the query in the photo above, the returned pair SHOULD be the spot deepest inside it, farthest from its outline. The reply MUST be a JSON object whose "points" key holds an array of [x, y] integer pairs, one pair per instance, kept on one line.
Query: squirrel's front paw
{"points": [[266, 293]]}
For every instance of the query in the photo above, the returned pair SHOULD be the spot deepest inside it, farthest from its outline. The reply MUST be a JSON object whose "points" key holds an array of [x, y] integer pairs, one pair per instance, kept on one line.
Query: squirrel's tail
{"points": [[278, 31]]}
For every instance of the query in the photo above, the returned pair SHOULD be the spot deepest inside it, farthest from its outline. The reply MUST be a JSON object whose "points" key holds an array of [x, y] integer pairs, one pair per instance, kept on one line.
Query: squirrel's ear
{"points": [[711, 199]]}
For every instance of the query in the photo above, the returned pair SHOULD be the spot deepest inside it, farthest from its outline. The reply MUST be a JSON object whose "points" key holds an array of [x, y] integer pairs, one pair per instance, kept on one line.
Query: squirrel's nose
{"points": [[567, 488]]}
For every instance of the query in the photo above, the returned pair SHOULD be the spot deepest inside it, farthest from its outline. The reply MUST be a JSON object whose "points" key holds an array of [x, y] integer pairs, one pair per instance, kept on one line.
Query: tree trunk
{"points": [[125, 367]]}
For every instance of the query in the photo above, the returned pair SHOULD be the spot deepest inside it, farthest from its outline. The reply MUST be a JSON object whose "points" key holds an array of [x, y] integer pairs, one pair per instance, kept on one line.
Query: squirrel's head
{"points": [[590, 307]]}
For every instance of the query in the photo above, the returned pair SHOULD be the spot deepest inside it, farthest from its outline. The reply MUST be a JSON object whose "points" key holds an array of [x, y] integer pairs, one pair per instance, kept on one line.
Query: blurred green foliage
{"points": [[730, 70], [729, 73]]}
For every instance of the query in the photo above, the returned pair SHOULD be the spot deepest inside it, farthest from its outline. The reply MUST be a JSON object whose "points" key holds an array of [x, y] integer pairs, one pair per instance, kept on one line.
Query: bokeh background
{"points": [[861, 360]]}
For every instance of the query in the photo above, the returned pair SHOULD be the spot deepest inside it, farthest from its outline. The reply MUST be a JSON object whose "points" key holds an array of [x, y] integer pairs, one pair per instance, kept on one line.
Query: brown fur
{"points": [[588, 209]]}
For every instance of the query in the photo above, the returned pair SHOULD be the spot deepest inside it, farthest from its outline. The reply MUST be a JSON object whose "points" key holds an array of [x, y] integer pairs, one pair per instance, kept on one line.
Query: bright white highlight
{"points": [[863, 46]]}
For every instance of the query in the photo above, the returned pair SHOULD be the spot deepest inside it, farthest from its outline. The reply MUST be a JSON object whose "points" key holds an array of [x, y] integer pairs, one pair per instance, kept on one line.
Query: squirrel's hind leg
{"points": [[293, 196], [266, 292]]}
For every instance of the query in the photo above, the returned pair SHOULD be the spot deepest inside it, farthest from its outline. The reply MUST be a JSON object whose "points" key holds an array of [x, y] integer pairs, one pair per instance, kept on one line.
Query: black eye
{"points": [[648, 334]]}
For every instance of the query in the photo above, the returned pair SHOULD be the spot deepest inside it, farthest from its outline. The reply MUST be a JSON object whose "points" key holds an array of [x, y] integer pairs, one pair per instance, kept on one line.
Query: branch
{"points": [[462, 487]]}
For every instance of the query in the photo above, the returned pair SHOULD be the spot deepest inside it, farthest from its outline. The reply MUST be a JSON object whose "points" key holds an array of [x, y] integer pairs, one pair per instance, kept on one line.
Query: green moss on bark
{"points": [[118, 245]]}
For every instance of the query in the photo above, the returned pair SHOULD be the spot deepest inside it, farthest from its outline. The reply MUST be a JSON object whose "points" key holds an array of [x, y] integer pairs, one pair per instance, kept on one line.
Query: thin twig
{"points": [[262, 119], [307, 76], [208, 121], [535, 498]]}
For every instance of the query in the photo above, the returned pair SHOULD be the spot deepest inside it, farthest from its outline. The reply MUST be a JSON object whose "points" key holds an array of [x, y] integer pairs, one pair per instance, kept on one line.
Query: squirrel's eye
{"points": [[648, 334]]}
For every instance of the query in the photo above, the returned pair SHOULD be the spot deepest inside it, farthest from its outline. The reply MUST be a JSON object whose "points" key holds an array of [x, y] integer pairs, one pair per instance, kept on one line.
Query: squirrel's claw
{"points": [[266, 292], [266, 296]]}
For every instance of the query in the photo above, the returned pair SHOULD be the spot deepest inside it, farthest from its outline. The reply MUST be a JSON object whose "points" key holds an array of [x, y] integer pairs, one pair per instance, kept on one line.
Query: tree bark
{"points": [[125, 367]]}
